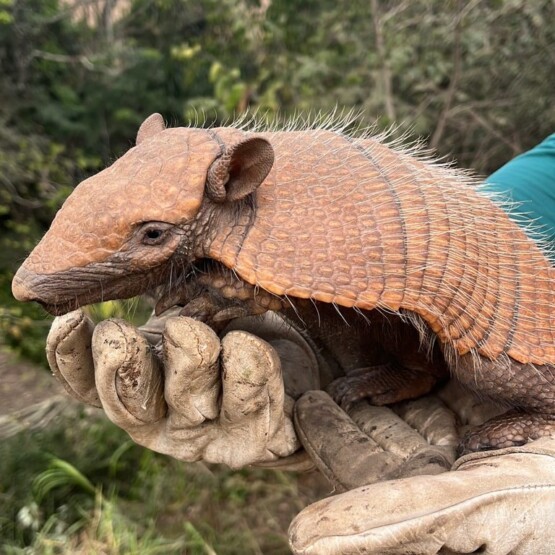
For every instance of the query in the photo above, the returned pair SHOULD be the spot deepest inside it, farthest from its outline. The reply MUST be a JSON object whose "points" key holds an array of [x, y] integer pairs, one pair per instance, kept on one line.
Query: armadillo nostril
{"points": [[20, 286]]}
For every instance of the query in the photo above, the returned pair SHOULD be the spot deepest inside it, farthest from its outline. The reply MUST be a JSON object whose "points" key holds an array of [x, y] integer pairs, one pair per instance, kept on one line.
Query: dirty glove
{"points": [[370, 444], [198, 398], [495, 502]]}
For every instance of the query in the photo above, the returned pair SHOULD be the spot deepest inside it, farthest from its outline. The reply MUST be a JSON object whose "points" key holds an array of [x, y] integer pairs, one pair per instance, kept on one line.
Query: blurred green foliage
{"points": [[102, 493], [78, 77]]}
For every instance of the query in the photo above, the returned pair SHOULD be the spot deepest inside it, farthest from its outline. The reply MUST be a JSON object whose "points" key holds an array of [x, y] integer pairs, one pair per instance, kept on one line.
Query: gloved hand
{"points": [[495, 502], [502, 500], [169, 414], [195, 397], [371, 444]]}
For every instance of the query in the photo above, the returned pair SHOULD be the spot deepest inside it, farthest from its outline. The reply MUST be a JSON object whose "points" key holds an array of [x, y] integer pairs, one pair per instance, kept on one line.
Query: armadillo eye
{"points": [[153, 234]]}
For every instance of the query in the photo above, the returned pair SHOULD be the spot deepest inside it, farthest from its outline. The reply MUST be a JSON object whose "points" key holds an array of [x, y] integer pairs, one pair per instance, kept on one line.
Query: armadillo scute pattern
{"points": [[359, 224]]}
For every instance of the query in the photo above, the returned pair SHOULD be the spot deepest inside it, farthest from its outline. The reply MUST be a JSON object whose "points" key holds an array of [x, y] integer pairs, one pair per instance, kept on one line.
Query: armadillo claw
{"points": [[202, 309], [347, 391], [171, 298], [217, 312]]}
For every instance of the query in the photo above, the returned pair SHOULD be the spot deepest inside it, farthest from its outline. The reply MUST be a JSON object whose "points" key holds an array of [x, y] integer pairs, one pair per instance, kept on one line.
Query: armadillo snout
{"points": [[21, 285]]}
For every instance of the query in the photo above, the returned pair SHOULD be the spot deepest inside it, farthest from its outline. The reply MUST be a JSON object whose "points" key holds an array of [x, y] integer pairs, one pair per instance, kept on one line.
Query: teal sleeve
{"points": [[529, 181]]}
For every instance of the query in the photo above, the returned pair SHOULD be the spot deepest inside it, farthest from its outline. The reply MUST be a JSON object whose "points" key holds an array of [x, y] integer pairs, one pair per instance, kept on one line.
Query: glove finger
{"points": [[252, 415], [498, 506], [193, 381], [433, 420], [404, 440], [128, 376], [299, 363], [346, 455], [468, 407], [68, 350], [438, 425], [387, 429]]}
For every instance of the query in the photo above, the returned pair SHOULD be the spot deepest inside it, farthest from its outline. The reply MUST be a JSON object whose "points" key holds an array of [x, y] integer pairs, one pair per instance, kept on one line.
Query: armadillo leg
{"points": [[529, 389], [206, 305], [381, 385], [511, 429], [226, 285], [216, 295]]}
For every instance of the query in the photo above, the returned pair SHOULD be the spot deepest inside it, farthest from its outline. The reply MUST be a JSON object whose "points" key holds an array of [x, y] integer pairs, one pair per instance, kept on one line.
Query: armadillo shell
{"points": [[360, 224]]}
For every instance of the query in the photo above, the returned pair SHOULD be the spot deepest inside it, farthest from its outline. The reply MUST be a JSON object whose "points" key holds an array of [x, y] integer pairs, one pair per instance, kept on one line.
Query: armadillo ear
{"points": [[240, 170], [150, 127]]}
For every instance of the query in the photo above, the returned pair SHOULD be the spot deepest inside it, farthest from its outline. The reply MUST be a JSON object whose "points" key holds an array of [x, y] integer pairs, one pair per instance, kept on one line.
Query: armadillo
{"points": [[316, 221]]}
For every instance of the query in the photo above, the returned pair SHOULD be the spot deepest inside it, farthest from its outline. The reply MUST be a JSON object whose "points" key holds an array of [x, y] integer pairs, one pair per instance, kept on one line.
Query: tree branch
{"points": [[385, 71], [453, 83], [63, 58]]}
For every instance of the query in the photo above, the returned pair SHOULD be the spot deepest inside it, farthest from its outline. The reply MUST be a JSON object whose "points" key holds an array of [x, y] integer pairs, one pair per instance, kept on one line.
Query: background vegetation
{"points": [[475, 78]]}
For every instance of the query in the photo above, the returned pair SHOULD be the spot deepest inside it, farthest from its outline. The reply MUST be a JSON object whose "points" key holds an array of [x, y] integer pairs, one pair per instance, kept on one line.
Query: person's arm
{"points": [[527, 183]]}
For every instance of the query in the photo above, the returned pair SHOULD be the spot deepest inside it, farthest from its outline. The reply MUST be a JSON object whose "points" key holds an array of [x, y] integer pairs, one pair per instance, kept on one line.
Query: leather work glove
{"points": [[497, 502], [164, 398], [494, 502], [194, 397]]}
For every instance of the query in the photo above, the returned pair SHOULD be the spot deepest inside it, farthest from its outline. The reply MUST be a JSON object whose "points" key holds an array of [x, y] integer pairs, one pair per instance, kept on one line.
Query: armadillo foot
{"points": [[508, 430], [381, 385]]}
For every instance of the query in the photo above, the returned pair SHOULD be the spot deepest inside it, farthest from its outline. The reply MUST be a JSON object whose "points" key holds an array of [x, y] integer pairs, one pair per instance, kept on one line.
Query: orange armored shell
{"points": [[356, 223]]}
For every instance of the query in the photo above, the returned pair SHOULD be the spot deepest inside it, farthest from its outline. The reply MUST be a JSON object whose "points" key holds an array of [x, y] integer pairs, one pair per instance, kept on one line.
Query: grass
{"points": [[83, 487]]}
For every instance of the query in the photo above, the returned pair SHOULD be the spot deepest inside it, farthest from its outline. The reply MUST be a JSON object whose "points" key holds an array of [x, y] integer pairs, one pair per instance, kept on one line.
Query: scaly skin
{"points": [[316, 215]]}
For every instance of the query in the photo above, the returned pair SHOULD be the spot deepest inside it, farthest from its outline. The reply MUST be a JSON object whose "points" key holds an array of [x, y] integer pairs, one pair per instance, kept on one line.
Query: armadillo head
{"points": [[122, 231]]}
